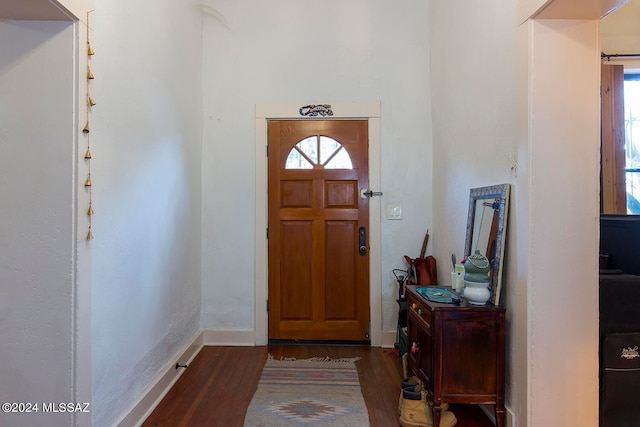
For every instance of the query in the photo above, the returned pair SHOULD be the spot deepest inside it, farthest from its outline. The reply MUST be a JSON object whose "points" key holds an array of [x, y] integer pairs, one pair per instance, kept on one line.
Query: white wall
{"points": [[37, 146], [291, 51], [564, 126], [474, 68], [146, 145], [474, 85]]}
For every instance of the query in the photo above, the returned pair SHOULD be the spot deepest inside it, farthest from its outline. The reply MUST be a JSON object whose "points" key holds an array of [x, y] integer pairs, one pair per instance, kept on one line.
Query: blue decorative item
{"points": [[439, 295]]}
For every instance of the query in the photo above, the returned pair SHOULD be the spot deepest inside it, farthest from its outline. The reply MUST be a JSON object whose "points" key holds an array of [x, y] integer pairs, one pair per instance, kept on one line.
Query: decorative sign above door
{"points": [[316, 110]]}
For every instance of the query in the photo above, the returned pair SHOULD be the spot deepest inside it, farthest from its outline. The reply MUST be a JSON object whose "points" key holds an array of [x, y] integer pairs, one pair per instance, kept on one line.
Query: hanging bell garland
{"points": [[85, 130]]}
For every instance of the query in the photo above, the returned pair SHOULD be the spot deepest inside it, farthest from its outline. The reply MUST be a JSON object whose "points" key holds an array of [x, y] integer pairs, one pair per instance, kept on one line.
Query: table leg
{"points": [[499, 416], [437, 411]]}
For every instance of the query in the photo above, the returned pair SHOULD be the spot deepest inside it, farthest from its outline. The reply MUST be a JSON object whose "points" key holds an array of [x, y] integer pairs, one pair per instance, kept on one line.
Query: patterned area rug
{"points": [[312, 392]]}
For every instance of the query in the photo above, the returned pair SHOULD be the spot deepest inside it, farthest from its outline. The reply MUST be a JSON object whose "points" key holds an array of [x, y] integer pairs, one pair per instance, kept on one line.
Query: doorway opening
{"points": [[369, 111]]}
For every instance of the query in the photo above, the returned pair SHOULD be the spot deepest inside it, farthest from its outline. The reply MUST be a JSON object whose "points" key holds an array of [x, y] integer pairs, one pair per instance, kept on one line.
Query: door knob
{"points": [[362, 241]]}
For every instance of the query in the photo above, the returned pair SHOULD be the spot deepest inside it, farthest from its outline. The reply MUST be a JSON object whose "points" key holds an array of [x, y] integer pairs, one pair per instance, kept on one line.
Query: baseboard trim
{"points": [[489, 412], [156, 391], [232, 337], [246, 337], [141, 410], [509, 419], [389, 339]]}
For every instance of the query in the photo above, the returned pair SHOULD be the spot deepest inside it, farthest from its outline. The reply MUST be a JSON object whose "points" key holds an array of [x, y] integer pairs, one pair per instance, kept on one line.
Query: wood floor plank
{"points": [[379, 391], [217, 387]]}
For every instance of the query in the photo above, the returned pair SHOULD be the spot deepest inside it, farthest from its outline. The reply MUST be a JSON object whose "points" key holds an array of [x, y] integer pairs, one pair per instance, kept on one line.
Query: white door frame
{"points": [[355, 110]]}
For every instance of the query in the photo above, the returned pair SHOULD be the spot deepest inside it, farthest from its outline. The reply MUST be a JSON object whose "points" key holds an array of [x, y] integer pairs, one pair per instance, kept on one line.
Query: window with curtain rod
{"points": [[608, 56]]}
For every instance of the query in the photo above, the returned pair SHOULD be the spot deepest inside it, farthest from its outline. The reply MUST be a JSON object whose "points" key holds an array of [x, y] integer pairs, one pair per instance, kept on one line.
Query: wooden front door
{"points": [[318, 230]]}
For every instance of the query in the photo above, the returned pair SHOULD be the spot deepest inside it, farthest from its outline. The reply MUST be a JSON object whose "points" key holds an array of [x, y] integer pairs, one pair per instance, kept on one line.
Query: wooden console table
{"points": [[458, 350]]}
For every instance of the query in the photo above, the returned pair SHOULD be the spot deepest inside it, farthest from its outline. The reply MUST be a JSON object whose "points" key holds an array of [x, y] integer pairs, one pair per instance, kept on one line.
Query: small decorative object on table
{"points": [[476, 279], [457, 278], [442, 295]]}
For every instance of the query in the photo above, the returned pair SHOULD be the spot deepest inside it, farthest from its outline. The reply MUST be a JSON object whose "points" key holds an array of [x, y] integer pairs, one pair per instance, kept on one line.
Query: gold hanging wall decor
{"points": [[86, 131]]}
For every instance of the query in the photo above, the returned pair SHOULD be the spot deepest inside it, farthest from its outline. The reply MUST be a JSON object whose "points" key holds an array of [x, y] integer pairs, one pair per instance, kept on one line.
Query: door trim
{"points": [[288, 111]]}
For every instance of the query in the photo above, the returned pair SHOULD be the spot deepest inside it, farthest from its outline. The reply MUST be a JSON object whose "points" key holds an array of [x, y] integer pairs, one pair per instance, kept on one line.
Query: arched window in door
{"points": [[318, 151]]}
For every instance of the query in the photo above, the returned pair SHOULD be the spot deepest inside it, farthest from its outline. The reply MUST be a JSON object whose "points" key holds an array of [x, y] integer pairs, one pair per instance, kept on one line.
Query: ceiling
{"points": [[33, 10], [578, 9], [50, 10], [623, 21], [620, 34]]}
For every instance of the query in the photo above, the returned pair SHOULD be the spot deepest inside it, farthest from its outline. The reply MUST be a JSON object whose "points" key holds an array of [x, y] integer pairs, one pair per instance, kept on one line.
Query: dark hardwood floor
{"points": [[216, 388]]}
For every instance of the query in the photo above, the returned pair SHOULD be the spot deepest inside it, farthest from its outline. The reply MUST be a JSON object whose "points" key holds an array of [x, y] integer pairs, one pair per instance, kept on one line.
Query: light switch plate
{"points": [[394, 211]]}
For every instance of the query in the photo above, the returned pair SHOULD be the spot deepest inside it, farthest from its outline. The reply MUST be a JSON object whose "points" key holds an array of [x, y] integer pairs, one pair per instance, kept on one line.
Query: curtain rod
{"points": [[608, 56]]}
